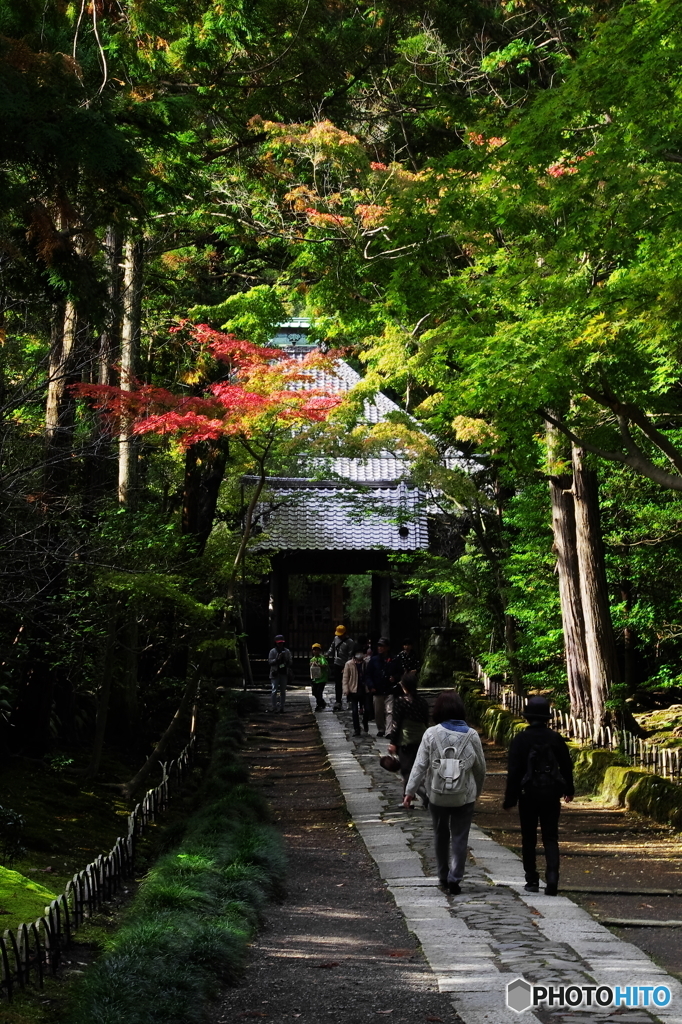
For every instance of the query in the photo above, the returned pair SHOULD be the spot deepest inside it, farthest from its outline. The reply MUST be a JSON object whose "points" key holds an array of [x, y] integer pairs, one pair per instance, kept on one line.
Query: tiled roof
{"points": [[343, 518], [379, 512]]}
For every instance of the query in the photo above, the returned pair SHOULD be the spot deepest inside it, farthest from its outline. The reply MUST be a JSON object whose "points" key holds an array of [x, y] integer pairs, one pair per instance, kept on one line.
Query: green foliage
{"points": [[197, 908], [359, 602], [254, 314]]}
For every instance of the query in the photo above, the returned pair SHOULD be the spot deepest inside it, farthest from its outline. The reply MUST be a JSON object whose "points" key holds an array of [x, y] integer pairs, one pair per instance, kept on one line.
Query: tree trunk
{"points": [[205, 464], [629, 642], [601, 646], [130, 346], [573, 622], [110, 342], [60, 408]]}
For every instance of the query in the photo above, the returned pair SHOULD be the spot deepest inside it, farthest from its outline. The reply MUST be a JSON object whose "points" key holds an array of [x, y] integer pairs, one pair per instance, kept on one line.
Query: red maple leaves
{"points": [[261, 388]]}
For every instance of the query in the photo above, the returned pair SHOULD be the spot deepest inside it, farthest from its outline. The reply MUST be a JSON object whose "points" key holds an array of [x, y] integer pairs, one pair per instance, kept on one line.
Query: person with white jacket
{"points": [[451, 812], [353, 683]]}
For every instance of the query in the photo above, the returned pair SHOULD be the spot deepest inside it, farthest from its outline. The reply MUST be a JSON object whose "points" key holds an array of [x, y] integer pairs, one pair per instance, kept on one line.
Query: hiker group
{"points": [[443, 764]]}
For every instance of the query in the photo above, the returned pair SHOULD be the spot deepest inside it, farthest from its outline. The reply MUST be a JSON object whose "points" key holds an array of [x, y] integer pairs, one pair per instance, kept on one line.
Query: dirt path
{"points": [[604, 848], [337, 949]]}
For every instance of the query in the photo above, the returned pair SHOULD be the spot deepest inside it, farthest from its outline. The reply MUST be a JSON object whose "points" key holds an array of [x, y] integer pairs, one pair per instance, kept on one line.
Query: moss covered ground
{"points": [[663, 726], [21, 898], [68, 821]]}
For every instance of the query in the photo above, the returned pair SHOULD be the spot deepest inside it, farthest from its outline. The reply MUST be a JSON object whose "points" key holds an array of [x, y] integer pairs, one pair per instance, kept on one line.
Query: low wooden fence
{"points": [[665, 761], [33, 950]]}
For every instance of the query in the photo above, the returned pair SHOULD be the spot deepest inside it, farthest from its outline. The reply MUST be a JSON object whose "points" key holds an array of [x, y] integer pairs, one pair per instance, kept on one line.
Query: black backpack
{"points": [[543, 776]]}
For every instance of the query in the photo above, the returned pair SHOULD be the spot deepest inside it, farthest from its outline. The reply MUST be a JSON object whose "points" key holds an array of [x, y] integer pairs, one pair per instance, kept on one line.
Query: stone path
{"points": [[494, 932], [336, 950]]}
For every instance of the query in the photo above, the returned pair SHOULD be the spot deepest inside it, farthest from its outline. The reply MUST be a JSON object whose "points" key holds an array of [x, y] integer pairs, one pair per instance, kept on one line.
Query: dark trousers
{"points": [[360, 701], [337, 676], [407, 755], [546, 814], [318, 694], [451, 835]]}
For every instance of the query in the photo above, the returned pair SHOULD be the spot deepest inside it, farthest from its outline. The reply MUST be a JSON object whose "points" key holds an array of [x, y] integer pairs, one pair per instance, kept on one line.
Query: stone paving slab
{"points": [[494, 932]]}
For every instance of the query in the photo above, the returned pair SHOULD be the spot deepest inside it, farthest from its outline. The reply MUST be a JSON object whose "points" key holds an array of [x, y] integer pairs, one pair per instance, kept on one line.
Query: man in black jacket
{"points": [[539, 774], [378, 681]]}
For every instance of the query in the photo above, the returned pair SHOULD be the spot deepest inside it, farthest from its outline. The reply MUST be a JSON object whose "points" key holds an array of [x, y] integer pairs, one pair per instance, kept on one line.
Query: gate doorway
{"points": [[317, 605]]}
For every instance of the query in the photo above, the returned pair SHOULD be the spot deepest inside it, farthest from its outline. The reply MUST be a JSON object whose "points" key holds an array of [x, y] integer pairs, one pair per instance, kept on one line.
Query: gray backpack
{"points": [[450, 771]]}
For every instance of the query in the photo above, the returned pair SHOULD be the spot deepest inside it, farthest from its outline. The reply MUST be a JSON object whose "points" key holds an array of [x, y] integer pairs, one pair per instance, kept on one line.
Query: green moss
{"points": [[501, 725], [656, 797], [590, 767], [21, 900], [616, 783], [663, 726]]}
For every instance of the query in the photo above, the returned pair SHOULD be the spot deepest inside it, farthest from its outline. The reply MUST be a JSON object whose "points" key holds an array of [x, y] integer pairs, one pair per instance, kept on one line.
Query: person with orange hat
{"points": [[319, 676], [340, 651]]}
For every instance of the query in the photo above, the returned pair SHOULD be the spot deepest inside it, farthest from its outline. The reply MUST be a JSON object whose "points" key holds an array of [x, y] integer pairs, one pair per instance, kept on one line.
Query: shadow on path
{"points": [[337, 949]]}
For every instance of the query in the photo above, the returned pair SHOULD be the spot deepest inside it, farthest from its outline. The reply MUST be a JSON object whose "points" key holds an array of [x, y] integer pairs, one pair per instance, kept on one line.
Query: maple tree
{"points": [[263, 399]]}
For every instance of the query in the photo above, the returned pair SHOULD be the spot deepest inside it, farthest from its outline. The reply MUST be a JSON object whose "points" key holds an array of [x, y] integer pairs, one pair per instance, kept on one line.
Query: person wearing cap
{"points": [[539, 774], [379, 683], [281, 671], [406, 660], [340, 650], [353, 683], [319, 676]]}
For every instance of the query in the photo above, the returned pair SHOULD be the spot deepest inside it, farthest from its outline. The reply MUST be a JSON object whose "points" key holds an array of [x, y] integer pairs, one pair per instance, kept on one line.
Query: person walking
{"points": [[406, 660], [319, 676], [539, 774], [353, 683], [340, 650], [281, 664], [378, 677], [409, 723], [450, 760]]}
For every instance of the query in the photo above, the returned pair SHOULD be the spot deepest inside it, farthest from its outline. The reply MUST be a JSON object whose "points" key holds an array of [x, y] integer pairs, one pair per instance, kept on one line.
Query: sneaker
{"points": [[531, 887], [454, 888], [337, 707]]}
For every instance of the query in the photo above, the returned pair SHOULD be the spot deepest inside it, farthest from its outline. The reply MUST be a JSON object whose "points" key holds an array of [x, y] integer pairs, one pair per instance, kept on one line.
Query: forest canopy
{"points": [[478, 202]]}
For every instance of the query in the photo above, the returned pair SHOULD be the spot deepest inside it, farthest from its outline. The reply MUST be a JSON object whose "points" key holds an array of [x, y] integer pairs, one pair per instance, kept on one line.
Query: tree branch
{"points": [[640, 419], [635, 458]]}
